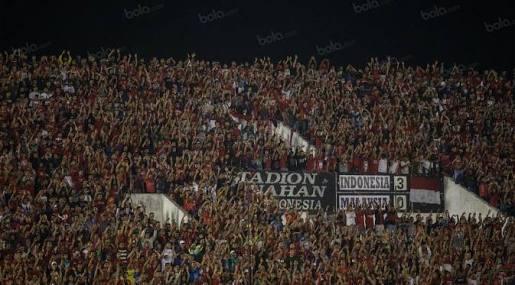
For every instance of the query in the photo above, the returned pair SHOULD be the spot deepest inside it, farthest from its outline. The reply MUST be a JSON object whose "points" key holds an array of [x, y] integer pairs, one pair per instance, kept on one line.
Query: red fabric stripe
{"points": [[428, 183]]}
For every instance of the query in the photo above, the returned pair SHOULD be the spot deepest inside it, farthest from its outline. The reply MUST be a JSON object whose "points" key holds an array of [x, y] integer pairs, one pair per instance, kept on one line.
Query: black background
{"points": [[395, 28], [328, 202]]}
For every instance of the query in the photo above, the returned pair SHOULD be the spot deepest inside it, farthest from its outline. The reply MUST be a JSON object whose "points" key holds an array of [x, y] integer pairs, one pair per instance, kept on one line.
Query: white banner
{"points": [[292, 138], [425, 196]]}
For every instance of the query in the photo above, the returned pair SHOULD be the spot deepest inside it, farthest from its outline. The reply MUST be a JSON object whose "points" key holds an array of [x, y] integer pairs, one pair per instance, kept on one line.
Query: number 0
{"points": [[400, 202]]}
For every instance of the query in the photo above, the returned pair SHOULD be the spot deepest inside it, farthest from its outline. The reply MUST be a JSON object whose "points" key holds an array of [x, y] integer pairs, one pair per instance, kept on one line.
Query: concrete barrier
{"points": [[163, 208], [174, 212], [458, 200]]}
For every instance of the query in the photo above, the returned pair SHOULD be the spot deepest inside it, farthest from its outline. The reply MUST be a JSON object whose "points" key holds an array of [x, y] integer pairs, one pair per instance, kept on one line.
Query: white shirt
{"points": [[350, 218], [286, 94], [404, 167], [34, 95], [69, 89], [68, 180], [424, 253], [211, 125], [383, 165], [168, 255], [44, 96], [426, 164]]}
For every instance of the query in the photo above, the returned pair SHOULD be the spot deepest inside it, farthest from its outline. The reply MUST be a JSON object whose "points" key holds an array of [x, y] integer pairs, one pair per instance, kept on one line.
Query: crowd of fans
{"points": [[393, 118], [79, 134], [242, 237]]}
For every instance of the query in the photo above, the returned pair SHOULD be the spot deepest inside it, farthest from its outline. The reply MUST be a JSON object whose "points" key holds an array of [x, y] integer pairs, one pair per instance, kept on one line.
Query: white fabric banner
{"points": [[424, 196]]}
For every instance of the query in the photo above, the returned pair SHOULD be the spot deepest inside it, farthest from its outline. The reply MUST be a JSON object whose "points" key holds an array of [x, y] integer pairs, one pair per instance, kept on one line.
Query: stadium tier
{"points": [[80, 135]]}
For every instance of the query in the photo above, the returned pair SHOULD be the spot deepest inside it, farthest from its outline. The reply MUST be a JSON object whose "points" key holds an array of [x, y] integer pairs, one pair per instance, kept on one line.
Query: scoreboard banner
{"points": [[362, 190], [329, 191]]}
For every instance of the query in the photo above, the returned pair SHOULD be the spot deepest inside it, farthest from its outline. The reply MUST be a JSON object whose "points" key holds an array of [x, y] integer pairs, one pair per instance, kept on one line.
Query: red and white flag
{"points": [[425, 190]]}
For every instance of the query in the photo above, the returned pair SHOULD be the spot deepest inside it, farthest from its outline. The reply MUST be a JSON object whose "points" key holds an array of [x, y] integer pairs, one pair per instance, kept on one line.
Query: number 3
{"points": [[400, 183]]}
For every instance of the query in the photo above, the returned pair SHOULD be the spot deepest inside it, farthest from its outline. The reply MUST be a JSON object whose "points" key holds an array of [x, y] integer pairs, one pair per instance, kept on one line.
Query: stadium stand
{"points": [[80, 135]]}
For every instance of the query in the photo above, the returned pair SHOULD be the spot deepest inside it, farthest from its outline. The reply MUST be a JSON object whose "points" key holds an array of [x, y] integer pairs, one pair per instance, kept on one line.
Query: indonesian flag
{"points": [[425, 190]]}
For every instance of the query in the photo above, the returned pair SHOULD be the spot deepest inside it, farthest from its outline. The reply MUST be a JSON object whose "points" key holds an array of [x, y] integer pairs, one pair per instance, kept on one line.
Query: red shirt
{"points": [[320, 165], [283, 161], [445, 160], [150, 186], [310, 164], [356, 162], [318, 142], [494, 200], [332, 163], [369, 219], [268, 163], [189, 205], [373, 166], [483, 190], [360, 219]]}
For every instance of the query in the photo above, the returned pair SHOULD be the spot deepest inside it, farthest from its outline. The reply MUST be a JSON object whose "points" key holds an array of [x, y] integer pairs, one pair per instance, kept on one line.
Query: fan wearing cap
{"points": [[231, 261]]}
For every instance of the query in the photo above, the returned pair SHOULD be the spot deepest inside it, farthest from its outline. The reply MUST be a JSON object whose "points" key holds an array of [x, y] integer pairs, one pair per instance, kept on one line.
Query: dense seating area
{"points": [[392, 118], [78, 135]]}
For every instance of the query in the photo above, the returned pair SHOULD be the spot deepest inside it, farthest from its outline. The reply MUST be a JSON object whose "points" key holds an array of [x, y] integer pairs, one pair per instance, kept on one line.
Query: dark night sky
{"points": [[480, 33]]}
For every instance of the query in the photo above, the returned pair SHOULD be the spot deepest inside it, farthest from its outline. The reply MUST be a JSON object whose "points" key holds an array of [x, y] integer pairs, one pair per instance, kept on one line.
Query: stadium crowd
{"points": [[79, 134], [393, 118]]}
